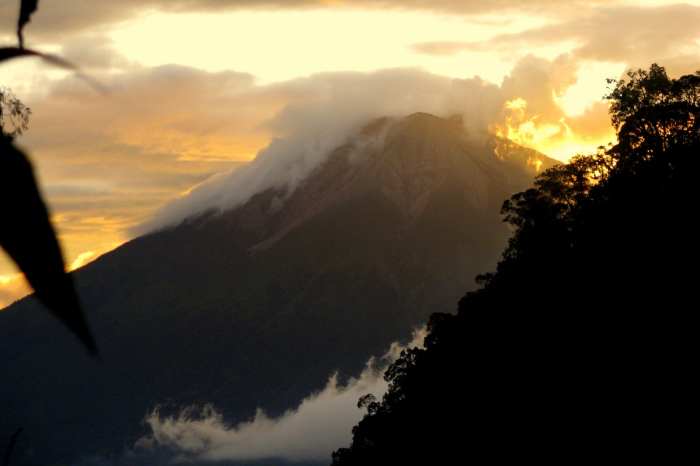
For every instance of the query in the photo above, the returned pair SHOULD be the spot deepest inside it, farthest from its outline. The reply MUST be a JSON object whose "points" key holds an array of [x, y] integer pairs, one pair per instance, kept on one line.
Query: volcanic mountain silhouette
{"points": [[258, 305]]}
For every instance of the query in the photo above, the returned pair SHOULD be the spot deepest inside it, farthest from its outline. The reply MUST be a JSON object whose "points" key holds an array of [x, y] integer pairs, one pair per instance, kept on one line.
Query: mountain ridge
{"points": [[340, 173]]}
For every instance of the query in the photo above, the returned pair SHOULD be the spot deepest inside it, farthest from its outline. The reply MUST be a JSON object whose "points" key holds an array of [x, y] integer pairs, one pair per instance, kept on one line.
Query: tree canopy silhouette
{"points": [[580, 346]]}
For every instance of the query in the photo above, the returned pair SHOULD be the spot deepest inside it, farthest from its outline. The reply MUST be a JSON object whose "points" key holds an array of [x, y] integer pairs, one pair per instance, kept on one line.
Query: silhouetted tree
{"points": [[581, 345]]}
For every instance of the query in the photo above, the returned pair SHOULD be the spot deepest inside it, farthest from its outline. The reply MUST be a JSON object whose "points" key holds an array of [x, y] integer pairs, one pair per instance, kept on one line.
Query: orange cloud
{"points": [[13, 286]]}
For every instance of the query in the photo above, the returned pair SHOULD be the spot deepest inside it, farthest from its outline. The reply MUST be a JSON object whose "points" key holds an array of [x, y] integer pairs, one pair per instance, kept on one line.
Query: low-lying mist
{"points": [[319, 425]]}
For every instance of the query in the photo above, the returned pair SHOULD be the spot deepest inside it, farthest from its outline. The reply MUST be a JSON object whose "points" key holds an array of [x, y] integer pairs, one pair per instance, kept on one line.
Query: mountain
{"points": [[258, 305]]}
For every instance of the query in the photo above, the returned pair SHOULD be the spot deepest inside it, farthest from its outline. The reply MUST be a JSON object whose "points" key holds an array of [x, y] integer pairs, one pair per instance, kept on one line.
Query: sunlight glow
{"points": [[525, 129], [556, 140], [13, 286], [588, 88], [5, 279], [82, 259], [285, 44]]}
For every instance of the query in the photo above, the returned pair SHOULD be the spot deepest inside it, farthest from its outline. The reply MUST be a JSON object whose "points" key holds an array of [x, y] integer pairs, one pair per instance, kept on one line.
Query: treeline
{"points": [[582, 345]]}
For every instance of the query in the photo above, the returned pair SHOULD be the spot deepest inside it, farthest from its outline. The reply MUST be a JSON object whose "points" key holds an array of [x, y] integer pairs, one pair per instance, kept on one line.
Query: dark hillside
{"points": [[582, 346]]}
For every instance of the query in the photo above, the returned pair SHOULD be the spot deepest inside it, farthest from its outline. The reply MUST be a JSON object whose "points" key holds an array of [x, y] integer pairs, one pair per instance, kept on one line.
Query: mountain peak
{"points": [[406, 162], [422, 117], [422, 124]]}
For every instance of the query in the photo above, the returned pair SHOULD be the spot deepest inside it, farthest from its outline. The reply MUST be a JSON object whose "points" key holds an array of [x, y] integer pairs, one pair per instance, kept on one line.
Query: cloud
{"points": [[443, 48], [94, 52], [538, 80], [319, 425], [57, 20], [106, 162], [323, 112], [637, 36], [534, 117]]}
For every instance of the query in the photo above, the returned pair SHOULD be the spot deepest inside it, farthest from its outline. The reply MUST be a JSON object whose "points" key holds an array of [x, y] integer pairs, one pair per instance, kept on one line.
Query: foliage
{"points": [[579, 346], [14, 115], [27, 234]]}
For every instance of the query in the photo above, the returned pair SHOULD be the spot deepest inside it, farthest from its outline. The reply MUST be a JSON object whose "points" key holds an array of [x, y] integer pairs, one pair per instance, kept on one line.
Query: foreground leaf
{"points": [[11, 53], [26, 8], [28, 237]]}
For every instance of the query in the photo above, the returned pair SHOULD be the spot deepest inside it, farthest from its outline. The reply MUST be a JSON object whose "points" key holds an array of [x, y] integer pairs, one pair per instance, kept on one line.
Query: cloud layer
{"points": [[633, 35], [61, 19], [319, 425]]}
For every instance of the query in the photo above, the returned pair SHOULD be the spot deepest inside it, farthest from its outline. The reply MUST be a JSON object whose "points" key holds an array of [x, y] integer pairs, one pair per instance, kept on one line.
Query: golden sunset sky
{"points": [[199, 87]]}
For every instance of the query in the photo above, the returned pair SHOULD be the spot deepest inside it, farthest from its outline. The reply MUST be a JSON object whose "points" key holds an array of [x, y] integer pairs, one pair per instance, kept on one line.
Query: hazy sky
{"points": [[199, 87]]}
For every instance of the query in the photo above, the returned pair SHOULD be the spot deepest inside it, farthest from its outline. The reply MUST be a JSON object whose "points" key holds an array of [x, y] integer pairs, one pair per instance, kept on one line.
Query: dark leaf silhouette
{"points": [[28, 237], [11, 447], [10, 53], [27, 7]]}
